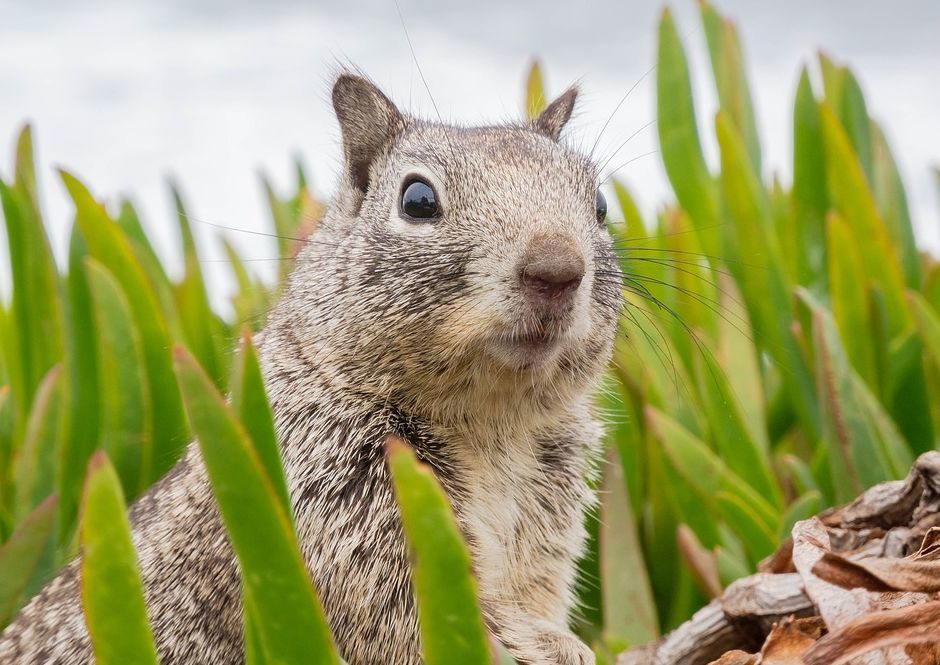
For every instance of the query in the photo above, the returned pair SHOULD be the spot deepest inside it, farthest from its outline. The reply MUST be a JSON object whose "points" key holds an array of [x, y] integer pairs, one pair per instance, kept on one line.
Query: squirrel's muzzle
{"points": [[551, 270]]}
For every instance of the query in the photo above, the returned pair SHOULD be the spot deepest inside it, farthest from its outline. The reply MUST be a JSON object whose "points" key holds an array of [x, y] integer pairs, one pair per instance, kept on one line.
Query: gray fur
{"points": [[388, 326]]}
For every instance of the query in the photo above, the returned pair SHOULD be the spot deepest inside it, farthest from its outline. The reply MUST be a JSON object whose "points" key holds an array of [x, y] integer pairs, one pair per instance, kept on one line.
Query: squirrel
{"points": [[461, 292]]}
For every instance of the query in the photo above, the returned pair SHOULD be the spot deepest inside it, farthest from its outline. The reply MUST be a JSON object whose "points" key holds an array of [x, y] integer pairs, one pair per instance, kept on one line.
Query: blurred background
{"points": [[125, 94]]}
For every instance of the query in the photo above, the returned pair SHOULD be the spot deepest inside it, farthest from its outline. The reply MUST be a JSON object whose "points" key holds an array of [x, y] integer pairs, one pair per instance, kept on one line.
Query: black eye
{"points": [[418, 201], [600, 206]]}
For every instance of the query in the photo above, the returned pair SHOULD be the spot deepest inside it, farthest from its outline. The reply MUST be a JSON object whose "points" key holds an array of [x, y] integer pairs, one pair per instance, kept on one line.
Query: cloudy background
{"points": [[125, 94]]}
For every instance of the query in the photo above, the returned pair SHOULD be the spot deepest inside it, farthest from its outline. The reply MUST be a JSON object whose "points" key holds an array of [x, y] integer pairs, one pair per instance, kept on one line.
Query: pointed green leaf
{"points": [[20, 555], [37, 460], [193, 301], [734, 95], [36, 309], [535, 99], [679, 137], [251, 404], [743, 454], [108, 245], [758, 537], [629, 609], [82, 358], [810, 194], [892, 201], [850, 298], [452, 630], [854, 201], [110, 574], [704, 471], [761, 276], [123, 399], [290, 621], [857, 455]]}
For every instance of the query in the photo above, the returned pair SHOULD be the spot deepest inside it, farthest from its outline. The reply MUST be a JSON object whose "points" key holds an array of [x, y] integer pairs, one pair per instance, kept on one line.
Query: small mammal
{"points": [[462, 293]]}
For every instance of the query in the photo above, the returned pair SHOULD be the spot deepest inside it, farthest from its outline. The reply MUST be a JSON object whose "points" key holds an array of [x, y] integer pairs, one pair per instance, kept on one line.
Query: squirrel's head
{"points": [[459, 263]]}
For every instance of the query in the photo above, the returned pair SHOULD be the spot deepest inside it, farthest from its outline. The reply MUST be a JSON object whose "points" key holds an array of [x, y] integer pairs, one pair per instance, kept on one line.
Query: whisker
{"points": [[619, 104]]}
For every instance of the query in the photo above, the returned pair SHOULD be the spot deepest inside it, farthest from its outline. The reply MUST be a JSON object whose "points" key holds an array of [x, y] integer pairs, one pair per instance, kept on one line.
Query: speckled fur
{"points": [[387, 326]]}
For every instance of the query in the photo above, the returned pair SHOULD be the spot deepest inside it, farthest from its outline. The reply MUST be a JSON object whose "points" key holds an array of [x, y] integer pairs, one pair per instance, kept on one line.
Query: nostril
{"points": [[551, 282], [552, 269]]}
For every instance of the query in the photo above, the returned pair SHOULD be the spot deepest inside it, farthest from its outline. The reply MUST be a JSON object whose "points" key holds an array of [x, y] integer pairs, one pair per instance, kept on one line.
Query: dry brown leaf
{"points": [[919, 624], [790, 639], [702, 562], [736, 658], [880, 574]]}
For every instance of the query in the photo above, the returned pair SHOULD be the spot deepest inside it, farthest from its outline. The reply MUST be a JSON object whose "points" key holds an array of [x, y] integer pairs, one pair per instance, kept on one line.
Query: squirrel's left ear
{"points": [[556, 115], [369, 122]]}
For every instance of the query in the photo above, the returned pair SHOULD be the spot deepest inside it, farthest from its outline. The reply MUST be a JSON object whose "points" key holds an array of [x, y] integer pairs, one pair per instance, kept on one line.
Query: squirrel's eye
{"points": [[600, 205], [418, 201]]}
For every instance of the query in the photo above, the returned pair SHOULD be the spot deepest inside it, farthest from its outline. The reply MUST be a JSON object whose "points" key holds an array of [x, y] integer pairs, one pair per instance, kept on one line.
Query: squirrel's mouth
{"points": [[525, 349]]}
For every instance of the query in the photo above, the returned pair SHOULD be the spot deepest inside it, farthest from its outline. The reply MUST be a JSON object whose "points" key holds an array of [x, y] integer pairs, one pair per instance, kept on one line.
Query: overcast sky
{"points": [[126, 93]]}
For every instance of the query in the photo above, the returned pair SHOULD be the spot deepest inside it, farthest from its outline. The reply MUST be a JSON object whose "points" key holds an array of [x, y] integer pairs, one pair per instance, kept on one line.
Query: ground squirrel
{"points": [[461, 292]]}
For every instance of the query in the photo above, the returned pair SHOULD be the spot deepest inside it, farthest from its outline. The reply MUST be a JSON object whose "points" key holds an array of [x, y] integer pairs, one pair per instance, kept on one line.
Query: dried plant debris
{"points": [[855, 585]]}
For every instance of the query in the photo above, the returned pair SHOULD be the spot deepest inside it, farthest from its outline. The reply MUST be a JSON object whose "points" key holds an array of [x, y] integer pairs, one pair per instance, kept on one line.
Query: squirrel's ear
{"points": [[553, 119], [369, 122]]}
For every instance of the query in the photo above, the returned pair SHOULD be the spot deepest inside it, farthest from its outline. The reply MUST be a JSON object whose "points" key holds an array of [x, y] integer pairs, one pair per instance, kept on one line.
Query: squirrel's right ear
{"points": [[369, 122]]}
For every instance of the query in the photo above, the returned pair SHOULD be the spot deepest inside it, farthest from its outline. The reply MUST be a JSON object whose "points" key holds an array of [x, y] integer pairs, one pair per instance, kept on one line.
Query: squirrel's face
{"points": [[480, 253]]}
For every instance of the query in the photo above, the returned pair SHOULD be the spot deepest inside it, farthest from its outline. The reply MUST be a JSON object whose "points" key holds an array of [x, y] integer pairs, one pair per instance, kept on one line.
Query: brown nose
{"points": [[551, 269]]}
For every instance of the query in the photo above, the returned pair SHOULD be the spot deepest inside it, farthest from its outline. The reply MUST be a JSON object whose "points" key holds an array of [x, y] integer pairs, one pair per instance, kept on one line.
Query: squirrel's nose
{"points": [[551, 269]]}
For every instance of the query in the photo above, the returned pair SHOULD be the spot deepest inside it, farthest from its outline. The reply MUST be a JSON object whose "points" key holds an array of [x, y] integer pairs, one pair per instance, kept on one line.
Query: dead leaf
{"points": [[919, 624], [702, 562]]}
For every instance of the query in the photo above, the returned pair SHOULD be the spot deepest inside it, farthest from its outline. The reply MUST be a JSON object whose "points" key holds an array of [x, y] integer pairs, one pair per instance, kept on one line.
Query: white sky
{"points": [[125, 94]]}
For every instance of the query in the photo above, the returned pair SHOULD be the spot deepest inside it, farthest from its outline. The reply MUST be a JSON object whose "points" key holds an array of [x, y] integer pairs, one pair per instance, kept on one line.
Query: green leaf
{"points": [[857, 123], [758, 537], [857, 455], [195, 312], [743, 454], [629, 610], [20, 555], [85, 409], [109, 246], [36, 308], [110, 575], [535, 99], [850, 298], [708, 475], [37, 462], [290, 621], [634, 228], [734, 94], [452, 629], [804, 507], [892, 201], [854, 201], [810, 194], [250, 402], [6, 458], [679, 138], [761, 276], [928, 324], [123, 398]]}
